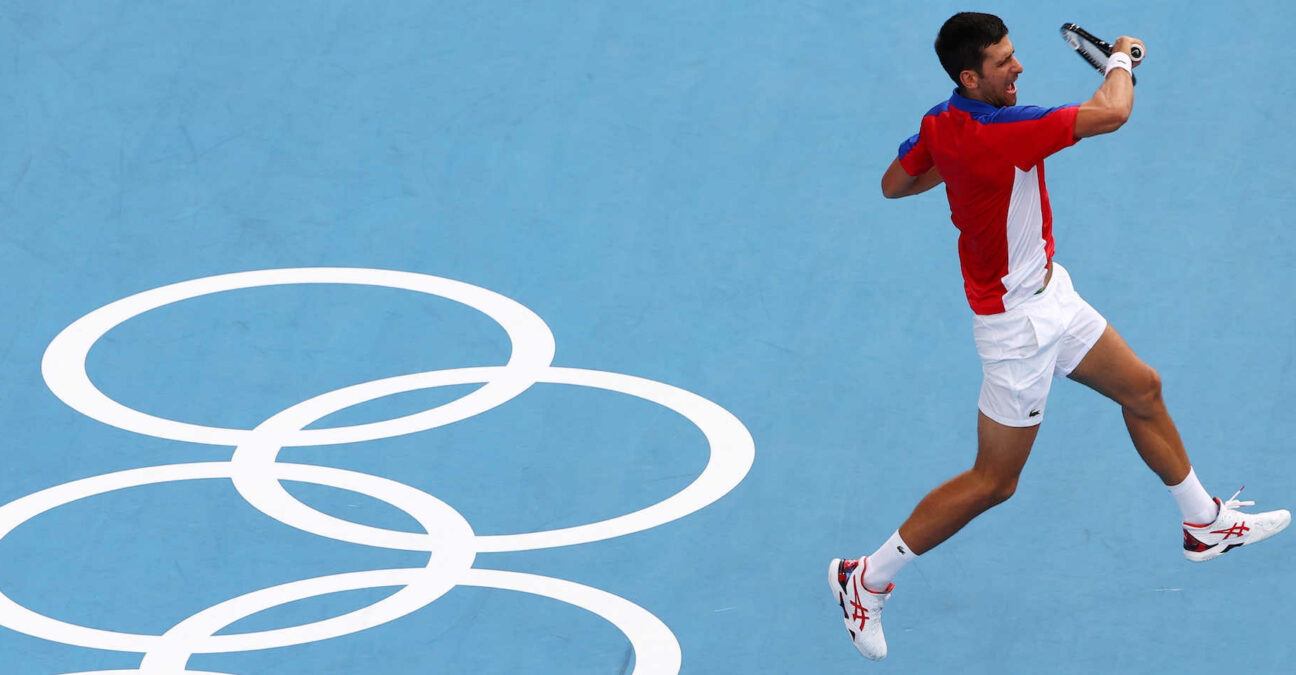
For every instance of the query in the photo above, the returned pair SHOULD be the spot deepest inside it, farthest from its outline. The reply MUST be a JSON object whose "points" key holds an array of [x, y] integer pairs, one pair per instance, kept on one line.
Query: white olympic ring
{"points": [[434, 515], [64, 363], [452, 545]]}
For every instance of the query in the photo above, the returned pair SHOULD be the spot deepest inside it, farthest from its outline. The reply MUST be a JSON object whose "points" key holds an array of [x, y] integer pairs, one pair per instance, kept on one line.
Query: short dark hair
{"points": [[961, 43]]}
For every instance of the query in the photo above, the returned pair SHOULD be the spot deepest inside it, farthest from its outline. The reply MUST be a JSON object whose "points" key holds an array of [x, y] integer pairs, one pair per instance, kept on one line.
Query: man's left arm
{"points": [[897, 182]]}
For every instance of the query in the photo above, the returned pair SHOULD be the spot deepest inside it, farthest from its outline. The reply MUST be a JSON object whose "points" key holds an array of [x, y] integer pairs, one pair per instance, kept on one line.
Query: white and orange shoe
{"points": [[864, 616], [1231, 529]]}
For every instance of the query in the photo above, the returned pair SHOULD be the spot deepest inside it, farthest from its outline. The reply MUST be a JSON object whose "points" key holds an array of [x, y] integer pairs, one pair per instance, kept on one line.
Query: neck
{"points": [[974, 95]]}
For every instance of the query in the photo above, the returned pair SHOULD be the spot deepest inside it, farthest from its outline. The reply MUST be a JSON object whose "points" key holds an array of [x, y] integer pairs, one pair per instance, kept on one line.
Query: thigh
{"points": [[1112, 369], [1002, 450]]}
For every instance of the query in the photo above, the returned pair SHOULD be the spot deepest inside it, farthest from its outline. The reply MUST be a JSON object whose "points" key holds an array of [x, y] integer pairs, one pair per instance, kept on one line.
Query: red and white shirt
{"points": [[992, 162]]}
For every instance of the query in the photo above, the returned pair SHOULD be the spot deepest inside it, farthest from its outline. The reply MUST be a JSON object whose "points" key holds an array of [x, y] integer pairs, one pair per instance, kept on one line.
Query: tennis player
{"points": [[1029, 323]]}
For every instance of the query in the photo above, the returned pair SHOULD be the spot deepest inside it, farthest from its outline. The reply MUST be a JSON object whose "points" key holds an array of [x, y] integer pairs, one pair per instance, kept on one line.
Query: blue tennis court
{"points": [[458, 337]]}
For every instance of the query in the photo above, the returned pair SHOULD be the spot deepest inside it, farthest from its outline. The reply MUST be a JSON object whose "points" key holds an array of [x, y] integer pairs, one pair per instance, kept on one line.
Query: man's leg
{"points": [[1112, 369], [1001, 453], [1211, 527]]}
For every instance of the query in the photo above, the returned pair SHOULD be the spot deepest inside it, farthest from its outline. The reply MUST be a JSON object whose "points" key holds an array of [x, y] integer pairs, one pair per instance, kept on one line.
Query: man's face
{"points": [[996, 84]]}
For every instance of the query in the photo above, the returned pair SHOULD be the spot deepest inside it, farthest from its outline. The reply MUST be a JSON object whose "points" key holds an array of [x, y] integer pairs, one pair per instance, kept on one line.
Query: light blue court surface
{"points": [[603, 254]]}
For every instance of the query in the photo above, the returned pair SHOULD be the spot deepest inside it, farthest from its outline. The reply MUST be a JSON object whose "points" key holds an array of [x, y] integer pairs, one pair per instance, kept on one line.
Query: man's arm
{"points": [[1111, 105], [897, 182]]}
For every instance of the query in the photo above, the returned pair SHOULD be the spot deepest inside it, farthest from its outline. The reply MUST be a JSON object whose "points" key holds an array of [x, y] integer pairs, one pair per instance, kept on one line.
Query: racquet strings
{"points": [[1096, 56]]}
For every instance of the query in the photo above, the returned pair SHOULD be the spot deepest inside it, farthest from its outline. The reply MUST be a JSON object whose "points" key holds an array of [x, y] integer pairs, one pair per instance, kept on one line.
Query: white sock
{"points": [[1195, 504], [886, 562]]}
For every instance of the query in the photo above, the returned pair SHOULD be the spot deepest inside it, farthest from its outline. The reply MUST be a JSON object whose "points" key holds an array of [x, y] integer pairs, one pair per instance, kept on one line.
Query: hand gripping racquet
{"points": [[1093, 50]]}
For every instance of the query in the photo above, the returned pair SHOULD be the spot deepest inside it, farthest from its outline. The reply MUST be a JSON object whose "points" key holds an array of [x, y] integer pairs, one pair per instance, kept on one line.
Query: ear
{"points": [[969, 79]]}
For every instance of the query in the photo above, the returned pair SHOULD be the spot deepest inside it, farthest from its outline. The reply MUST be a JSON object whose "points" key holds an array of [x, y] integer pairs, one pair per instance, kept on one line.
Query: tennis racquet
{"points": [[1093, 50]]}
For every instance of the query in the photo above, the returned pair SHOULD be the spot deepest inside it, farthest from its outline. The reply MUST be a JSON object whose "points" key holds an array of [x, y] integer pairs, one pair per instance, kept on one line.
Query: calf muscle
{"points": [[1001, 454]]}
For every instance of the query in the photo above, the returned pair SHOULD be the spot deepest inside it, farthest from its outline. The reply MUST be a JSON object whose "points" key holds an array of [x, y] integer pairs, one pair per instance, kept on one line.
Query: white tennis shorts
{"points": [[1024, 348]]}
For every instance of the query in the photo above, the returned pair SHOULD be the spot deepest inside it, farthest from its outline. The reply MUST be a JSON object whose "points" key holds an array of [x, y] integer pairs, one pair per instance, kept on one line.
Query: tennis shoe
{"points": [[861, 608], [1231, 529]]}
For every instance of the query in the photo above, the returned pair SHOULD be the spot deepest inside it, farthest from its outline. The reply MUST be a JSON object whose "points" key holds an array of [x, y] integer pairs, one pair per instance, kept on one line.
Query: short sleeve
{"points": [[914, 157], [1025, 135]]}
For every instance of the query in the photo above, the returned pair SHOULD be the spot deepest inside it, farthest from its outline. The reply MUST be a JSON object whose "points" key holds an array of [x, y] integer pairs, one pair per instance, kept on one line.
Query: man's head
{"points": [[975, 50]]}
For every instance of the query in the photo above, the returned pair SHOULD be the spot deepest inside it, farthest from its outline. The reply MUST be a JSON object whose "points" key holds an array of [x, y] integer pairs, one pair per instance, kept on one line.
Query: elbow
{"points": [[1103, 114], [1112, 119], [1120, 116], [890, 190]]}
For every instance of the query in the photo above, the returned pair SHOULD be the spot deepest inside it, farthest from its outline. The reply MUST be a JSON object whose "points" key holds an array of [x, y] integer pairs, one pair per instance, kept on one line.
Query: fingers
{"points": [[1131, 46]]}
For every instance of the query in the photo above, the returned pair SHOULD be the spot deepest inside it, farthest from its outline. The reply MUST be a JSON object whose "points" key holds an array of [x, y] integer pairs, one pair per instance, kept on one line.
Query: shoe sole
{"points": [[835, 587], [839, 593], [1218, 550]]}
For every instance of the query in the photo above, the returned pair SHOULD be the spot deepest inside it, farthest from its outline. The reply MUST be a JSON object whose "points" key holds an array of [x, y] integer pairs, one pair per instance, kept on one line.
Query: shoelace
{"points": [[1234, 503]]}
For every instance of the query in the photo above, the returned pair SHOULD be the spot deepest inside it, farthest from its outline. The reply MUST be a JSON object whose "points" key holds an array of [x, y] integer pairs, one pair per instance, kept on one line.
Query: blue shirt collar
{"points": [[971, 106]]}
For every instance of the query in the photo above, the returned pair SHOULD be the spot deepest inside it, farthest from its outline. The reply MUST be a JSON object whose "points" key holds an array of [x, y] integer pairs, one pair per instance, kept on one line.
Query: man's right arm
{"points": [[1110, 106], [897, 182]]}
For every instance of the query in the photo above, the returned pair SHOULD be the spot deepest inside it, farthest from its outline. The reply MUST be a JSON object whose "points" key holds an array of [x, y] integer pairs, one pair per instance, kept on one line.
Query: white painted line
{"points": [[657, 652]]}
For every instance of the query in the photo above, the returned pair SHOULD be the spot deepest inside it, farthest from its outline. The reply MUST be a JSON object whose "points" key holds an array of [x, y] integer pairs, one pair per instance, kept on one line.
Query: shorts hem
{"points": [[1013, 422]]}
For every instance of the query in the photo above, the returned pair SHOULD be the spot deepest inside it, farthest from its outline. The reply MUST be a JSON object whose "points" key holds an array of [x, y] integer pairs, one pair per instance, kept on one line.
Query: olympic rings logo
{"points": [[256, 473]]}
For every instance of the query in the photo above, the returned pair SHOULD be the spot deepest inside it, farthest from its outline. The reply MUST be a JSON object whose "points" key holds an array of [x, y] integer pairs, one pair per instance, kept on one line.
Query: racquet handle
{"points": [[1136, 52]]}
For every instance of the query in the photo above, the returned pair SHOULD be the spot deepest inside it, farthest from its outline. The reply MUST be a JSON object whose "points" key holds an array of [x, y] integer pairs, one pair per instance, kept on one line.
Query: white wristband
{"points": [[1119, 60]]}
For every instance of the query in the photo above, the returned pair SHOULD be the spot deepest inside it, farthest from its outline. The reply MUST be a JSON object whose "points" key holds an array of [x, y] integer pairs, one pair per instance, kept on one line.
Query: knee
{"points": [[996, 490], [1001, 490], [1145, 400]]}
